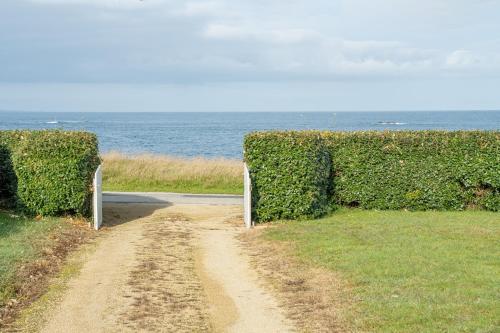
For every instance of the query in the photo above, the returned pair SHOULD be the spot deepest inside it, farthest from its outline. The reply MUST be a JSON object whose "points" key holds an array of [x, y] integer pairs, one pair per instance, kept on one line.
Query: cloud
{"points": [[249, 55], [222, 31], [209, 8], [112, 4], [461, 58], [268, 40], [466, 61], [280, 36], [310, 53]]}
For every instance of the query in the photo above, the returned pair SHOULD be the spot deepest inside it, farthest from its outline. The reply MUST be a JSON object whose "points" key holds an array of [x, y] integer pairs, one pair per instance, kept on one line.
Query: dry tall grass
{"points": [[147, 172]]}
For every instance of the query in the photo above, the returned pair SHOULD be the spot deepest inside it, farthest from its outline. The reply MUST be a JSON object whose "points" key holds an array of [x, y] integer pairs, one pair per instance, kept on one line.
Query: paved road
{"points": [[174, 198]]}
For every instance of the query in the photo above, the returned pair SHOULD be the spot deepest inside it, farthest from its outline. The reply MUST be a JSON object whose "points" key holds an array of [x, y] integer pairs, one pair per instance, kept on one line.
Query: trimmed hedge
{"points": [[289, 173], [48, 172], [415, 170], [8, 180]]}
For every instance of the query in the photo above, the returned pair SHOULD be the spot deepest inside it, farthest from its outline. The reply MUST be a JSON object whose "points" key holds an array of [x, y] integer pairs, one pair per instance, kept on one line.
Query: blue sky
{"points": [[259, 55]]}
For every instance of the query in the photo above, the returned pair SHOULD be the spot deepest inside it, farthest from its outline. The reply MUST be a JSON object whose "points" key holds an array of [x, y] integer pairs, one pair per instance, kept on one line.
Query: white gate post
{"points": [[97, 199], [247, 196]]}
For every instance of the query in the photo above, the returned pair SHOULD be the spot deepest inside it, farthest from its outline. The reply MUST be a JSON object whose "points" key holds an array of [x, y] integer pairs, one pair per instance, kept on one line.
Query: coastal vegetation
{"points": [[399, 271], [409, 245], [43, 175], [48, 173], [415, 170], [290, 175], [21, 240], [306, 174], [160, 173], [31, 250]]}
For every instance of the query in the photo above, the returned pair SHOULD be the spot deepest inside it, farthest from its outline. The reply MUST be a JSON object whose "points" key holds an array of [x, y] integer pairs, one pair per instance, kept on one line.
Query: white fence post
{"points": [[247, 197], [97, 199]]}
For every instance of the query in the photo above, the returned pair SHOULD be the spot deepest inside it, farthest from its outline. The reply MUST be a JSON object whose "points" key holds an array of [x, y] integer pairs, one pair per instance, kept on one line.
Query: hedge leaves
{"points": [[415, 170], [48, 172], [289, 173]]}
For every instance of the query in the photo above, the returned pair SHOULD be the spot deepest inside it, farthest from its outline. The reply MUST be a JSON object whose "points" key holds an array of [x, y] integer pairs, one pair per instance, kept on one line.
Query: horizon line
{"points": [[263, 111]]}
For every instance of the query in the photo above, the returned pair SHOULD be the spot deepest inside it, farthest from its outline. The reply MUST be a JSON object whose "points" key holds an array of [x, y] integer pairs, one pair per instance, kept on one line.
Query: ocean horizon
{"points": [[220, 134]]}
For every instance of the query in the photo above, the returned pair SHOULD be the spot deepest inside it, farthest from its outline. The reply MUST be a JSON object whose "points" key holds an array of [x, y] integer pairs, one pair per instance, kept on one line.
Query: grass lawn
{"points": [[409, 271], [156, 173], [21, 241], [197, 187]]}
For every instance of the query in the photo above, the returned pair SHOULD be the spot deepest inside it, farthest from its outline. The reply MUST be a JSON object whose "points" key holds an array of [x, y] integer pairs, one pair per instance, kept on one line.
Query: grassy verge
{"points": [[33, 317], [30, 252], [155, 173], [408, 271], [21, 240]]}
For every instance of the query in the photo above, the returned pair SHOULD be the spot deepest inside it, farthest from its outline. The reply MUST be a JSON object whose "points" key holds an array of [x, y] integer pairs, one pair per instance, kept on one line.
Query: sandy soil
{"points": [[168, 269]]}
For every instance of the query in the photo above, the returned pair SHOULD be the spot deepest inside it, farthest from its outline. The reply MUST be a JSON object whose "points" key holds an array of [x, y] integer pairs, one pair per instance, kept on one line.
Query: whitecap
{"points": [[391, 123]]}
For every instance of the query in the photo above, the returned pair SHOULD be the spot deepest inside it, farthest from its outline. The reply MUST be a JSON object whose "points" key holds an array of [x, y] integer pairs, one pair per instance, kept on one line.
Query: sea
{"points": [[220, 134]]}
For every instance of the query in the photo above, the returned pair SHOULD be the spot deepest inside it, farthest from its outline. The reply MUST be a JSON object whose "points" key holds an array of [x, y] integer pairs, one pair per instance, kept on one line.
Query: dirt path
{"points": [[167, 269]]}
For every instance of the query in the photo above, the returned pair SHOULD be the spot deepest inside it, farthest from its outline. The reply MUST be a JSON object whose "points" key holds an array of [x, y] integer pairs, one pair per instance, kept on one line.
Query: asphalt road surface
{"points": [[173, 198]]}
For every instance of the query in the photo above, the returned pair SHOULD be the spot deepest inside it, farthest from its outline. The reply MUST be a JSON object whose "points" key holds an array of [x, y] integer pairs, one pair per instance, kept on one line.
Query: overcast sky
{"points": [[254, 55]]}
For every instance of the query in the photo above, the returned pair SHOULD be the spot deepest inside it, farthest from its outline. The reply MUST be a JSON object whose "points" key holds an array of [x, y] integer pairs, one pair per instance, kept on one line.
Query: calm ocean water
{"points": [[221, 134]]}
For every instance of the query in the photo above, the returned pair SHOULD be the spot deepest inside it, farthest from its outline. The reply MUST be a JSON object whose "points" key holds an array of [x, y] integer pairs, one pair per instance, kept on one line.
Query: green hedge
{"points": [[8, 179], [289, 173], [415, 170], [48, 172], [8, 183]]}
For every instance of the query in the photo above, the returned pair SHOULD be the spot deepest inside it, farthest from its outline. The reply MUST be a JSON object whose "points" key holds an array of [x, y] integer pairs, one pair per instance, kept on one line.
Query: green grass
{"points": [[409, 271], [21, 241], [135, 185]]}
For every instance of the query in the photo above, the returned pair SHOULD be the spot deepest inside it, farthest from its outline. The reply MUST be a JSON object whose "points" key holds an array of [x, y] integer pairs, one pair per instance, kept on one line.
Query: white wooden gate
{"points": [[247, 197], [97, 199]]}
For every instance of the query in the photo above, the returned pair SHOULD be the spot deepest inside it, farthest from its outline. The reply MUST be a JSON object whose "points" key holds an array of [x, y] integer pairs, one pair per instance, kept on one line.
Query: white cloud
{"points": [[267, 54], [208, 8], [273, 39], [461, 58], [466, 61], [309, 53], [116, 4], [280, 36], [223, 31]]}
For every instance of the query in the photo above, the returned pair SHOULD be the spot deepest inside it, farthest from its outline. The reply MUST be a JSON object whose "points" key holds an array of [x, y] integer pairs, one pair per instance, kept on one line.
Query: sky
{"points": [[254, 55]]}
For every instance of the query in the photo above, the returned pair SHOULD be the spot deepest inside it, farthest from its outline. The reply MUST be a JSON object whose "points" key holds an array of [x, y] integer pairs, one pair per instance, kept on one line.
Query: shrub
{"points": [[8, 179], [8, 184], [290, 172], [415, 170], [52, 170]]}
